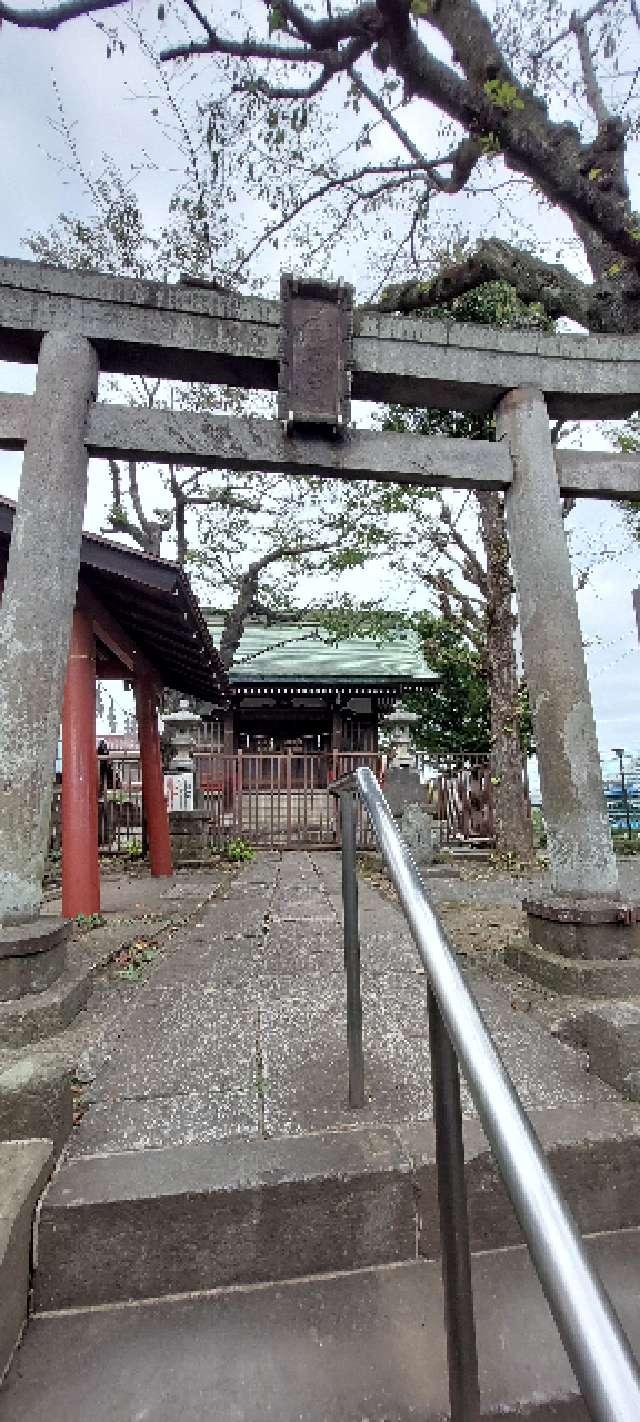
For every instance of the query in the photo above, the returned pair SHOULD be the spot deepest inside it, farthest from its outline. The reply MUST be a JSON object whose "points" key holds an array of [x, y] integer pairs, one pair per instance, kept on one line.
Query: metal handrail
{"points": [[597, 1347]]}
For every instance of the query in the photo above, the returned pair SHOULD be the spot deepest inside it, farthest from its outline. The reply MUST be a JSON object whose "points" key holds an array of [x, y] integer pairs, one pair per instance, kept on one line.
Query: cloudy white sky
{"points": [[107, 104]]}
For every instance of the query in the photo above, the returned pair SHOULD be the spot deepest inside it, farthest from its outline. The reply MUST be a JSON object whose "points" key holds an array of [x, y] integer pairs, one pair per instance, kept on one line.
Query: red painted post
{"points": [[80, 862], [154, 803]]}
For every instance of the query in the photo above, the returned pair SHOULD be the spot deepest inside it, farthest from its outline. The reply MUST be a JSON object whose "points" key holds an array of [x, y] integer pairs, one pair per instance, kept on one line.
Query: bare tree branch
{"points": [[248, 587], [389, 118], [563, 34], [463, 158], [472, 566], [592, 89], [52, 16]]}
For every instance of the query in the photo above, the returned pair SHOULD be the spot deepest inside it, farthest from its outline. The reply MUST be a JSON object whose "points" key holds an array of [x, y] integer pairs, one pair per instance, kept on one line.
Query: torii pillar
{"points": [[582, 916], [36, 613]]}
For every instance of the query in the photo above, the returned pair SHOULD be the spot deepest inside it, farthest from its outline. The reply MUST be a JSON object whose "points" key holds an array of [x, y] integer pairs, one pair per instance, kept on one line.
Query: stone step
{"points": [[150, 1223], [358, 1347]]}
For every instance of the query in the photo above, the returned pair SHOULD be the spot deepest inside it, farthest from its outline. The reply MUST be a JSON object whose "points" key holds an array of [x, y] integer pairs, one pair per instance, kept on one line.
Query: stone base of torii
{"points": [[36, 614]]}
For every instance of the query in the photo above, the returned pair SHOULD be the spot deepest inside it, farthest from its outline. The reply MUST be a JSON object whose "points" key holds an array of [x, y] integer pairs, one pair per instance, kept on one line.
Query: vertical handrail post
{"points": [[462, 1353], [352, 949], [240, 798], [289, 798]]}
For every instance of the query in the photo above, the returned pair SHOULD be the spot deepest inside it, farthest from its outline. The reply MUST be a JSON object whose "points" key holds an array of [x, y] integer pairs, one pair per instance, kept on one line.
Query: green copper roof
{"points": [[288, 652]]}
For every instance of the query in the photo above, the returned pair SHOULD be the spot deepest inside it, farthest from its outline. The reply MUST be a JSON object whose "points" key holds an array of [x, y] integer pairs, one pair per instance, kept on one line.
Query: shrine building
{"points": [[296, 686]]}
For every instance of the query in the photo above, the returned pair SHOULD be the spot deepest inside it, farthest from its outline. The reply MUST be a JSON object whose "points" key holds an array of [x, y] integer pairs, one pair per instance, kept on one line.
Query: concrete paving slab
{"points": [[137, 892], [316, 915], [236, 918], [302, 932], [151, 1122], [257, 895], [366, 1347], [304, 1057], [190, 1039], [218, 1010], [547, 1072], [202, 961], [303, 1044], [91, 1040], [294, 949], [389, 950]]}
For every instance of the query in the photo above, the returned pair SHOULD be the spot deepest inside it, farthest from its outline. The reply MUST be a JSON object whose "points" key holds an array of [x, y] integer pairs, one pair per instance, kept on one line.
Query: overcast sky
{"points": [[107, 102]]}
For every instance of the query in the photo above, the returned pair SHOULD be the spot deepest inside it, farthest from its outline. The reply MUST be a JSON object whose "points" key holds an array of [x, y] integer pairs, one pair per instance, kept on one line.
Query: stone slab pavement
{"points": [[238, 1028], [137, 894]]}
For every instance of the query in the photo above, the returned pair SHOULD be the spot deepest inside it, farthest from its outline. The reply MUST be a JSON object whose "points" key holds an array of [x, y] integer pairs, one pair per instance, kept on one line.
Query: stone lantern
{"points": [[400, 723], [189, 826], [182, 727], [403, 791]]}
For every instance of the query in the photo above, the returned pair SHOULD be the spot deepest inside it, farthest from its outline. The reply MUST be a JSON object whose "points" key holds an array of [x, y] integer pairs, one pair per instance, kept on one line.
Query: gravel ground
{"points": [[481, 908]]}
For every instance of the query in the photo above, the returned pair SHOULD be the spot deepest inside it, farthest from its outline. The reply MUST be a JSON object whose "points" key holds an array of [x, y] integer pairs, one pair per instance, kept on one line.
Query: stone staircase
{"points": [[295, 1275], [299, 1278]]}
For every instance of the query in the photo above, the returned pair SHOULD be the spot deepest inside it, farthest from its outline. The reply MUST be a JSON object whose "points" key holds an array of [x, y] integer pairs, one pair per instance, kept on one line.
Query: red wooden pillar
{"points": [[153, 801], [80, 863]]}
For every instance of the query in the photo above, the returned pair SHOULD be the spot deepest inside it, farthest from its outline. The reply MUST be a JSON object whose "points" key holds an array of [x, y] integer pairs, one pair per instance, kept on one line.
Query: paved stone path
{"points": [[239, 1026]]}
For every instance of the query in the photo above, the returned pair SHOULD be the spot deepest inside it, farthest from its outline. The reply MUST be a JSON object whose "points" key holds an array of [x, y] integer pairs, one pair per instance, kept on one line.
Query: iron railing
{"points": [[278, 799], [597, 1347]]}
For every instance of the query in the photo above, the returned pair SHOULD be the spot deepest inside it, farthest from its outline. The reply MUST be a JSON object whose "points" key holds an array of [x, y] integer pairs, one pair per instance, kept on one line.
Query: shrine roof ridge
{"points": [[306, 651]]}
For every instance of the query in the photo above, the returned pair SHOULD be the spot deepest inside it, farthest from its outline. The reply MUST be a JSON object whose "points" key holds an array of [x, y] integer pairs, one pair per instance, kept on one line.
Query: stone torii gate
{"points": [[316, 352]]}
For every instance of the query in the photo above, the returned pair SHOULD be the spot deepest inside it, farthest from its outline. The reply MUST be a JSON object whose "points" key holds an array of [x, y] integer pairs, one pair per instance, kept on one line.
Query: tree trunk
{"points": [[237, 616], [181, 534], [512, 816]]}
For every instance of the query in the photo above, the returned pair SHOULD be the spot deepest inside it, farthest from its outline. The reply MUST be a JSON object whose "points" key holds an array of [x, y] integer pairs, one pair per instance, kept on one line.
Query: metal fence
{"points": [[282, 798], [279, 800], [119, 794]]}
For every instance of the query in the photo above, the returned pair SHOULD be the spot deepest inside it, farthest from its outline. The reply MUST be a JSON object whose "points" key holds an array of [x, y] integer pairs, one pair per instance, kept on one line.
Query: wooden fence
{"points": [[465, 802], [462, 799]]}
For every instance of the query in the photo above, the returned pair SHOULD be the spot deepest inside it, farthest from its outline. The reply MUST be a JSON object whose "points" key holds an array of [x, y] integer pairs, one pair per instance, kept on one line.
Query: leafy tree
{"points": [[628, 440], [455, 715], [541, 95]]}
